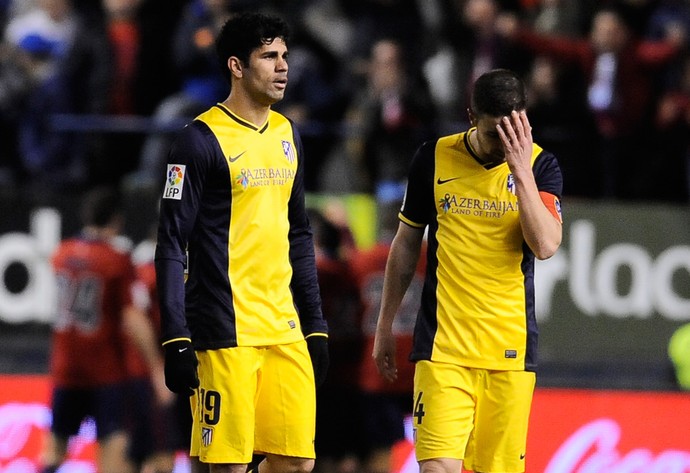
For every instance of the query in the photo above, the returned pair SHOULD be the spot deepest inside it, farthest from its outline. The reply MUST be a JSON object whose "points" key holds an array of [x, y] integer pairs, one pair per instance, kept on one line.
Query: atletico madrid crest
{"points": [[206, 436], [289, 151]]}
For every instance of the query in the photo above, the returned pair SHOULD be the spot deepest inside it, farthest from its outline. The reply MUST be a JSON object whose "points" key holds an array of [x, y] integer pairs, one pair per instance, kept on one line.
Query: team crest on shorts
{"points": [[206, 436]]}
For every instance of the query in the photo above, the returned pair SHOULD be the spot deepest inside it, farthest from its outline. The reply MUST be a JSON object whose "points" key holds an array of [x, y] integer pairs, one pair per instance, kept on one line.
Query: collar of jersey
{"points": [[474, 154], [240, 120]]}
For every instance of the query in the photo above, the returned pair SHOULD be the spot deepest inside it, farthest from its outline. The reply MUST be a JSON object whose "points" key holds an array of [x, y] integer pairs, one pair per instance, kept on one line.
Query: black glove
{"points": [[318, 351], [180, 367]]}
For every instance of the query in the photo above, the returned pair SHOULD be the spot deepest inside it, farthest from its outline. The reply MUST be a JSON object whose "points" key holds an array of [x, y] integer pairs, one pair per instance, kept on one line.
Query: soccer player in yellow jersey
{"points": [[243, 333], [489, 199]]}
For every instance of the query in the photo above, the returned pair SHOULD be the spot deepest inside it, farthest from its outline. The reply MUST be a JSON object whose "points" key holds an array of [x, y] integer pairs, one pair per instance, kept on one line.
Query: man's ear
{"points": [[235, 66], [472, 117]]}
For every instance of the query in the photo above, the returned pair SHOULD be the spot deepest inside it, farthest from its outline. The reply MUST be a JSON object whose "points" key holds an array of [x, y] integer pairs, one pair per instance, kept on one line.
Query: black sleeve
{"points": [[419, 197], [188, 162], [304, 284], [547, 174]]}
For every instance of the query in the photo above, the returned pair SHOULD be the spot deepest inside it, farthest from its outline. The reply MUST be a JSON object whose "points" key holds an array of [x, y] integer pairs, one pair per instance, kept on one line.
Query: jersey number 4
{"points": [[419, 408]]}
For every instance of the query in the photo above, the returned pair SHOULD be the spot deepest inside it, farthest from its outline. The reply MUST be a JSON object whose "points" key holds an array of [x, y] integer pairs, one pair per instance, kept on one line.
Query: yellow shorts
{"points": [[254, 399], [476, 415]]}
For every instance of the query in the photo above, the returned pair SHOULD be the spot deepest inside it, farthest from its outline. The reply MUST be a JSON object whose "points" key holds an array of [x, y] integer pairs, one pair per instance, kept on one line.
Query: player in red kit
{"points": [[95, 315]]}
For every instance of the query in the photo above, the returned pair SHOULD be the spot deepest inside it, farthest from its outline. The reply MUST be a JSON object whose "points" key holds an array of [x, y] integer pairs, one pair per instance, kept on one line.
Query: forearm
{"points": [[400, 269], [540, 229], [170, 282]]}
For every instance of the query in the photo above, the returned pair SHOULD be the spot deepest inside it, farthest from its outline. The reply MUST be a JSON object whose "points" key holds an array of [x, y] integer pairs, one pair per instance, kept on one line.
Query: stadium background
{"points": [[608, 301]]}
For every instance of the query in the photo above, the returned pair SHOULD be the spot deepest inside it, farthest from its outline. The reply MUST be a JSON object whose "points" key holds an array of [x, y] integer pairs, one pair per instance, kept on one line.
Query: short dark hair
{"points": [[497, 93], [100, 207], [245, 32]]}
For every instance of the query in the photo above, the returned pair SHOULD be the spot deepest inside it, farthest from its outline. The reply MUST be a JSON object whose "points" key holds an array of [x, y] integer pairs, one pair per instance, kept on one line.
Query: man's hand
{"points": [[318, 351], [384, 354], [180, 367], [516, 134]]}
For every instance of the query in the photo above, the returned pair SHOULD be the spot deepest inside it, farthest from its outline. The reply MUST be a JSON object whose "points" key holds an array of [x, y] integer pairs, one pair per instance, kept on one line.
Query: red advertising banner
{"points": [[599, 431], [578, 431], [571, 431], [24, 421]]}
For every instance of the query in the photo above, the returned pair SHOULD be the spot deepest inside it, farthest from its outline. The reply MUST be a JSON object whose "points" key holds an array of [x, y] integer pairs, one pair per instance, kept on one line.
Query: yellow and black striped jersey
{"points": [[233, 212], [478, 299]]}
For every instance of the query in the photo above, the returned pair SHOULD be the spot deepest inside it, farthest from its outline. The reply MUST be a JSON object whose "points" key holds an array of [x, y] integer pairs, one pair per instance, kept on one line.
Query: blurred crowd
{"points": [[91, 89]]}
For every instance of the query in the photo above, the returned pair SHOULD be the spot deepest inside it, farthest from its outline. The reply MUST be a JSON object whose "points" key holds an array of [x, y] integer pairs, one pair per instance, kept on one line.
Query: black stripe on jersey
{"points": [[532, 330], [422, 169], [426, 327], [209, 303]]}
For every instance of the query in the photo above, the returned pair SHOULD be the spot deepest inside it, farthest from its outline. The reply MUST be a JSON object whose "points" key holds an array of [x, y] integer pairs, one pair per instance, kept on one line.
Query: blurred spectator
{"points": [[201, 84], [621, 71], [673, 139], [16, 67], [470, 30], [315, 99], [53, 20], [668, 14], [338, 418], [49, 159], [35, 40], [136, 83], [122, 29], [670, 18], [194, 53], [124, 34], [557, 97], [556, 102], [157, 76], [389, 118], [68, 73], [562, 17], [385, 405], [95, 316], [376, 20]]}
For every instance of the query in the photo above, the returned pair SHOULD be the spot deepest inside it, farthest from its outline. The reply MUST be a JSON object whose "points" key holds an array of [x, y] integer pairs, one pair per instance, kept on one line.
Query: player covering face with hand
{"points": [[489, 199], [244, 335]]}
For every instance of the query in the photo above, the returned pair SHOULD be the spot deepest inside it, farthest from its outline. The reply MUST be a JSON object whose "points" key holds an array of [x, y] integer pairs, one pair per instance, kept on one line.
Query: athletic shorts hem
{"points": [[307, 456], [224, 460], [438, 456]]}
